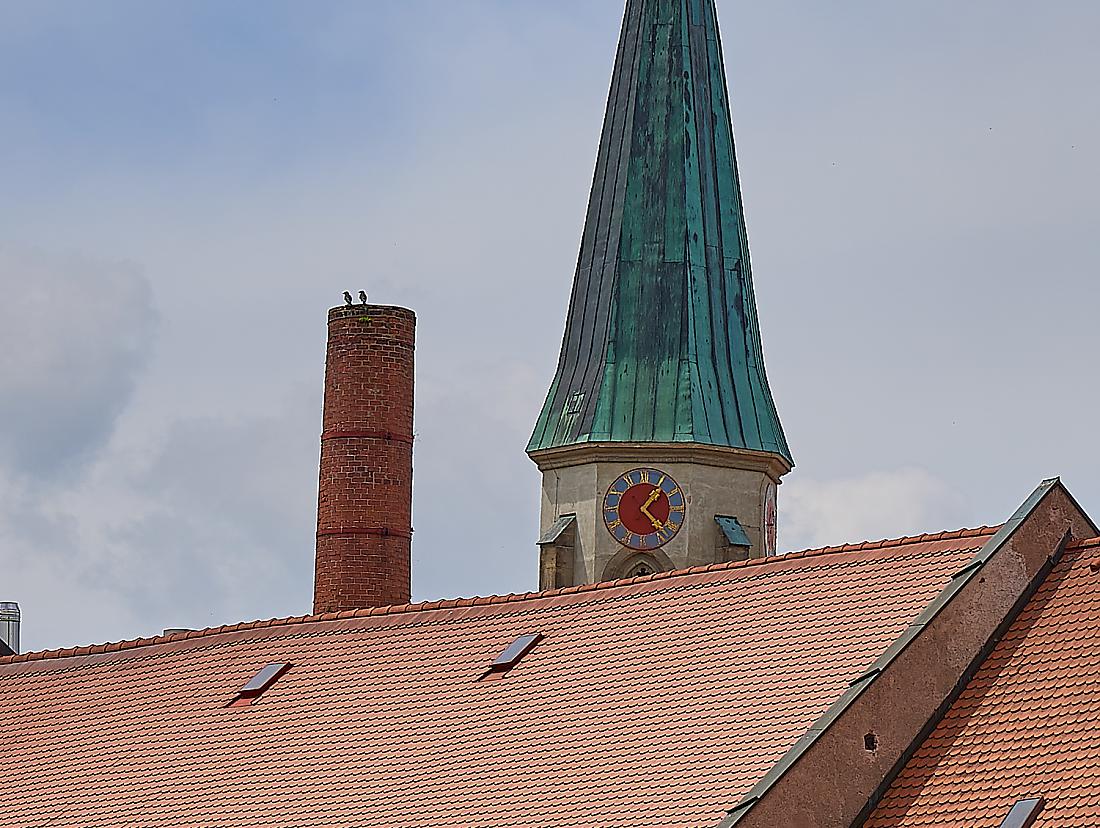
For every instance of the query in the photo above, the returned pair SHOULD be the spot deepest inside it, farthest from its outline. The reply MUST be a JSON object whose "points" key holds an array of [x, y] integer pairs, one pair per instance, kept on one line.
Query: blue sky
{"points": [[188, 187]]}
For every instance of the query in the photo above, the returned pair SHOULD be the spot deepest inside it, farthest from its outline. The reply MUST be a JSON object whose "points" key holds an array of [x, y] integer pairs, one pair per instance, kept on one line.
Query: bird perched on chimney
{"points": [[347, 297], [363, 296]]}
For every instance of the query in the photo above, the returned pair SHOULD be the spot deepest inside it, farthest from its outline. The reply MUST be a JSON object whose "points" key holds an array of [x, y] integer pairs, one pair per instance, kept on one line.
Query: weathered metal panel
{"points": [[557, 529], [732, 530], [662, 342]]}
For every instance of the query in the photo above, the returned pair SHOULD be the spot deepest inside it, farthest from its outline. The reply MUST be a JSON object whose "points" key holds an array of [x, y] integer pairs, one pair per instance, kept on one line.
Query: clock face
{"points": [[644, 509]]}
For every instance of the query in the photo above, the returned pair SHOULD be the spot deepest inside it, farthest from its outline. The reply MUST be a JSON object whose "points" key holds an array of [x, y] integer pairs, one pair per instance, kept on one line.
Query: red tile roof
{"points": [[1027, 725], [655, 702]]}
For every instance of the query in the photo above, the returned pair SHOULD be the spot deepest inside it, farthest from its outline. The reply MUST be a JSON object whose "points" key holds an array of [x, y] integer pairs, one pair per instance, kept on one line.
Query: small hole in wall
{"points": [[870, 743]]}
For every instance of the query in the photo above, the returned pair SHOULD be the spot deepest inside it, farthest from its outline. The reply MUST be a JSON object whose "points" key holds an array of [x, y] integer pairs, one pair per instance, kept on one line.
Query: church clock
{"points": [[644, 509]]}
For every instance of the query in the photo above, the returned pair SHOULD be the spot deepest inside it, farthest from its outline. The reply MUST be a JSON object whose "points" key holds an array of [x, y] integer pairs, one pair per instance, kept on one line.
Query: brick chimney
{"points": [[364, 508]]}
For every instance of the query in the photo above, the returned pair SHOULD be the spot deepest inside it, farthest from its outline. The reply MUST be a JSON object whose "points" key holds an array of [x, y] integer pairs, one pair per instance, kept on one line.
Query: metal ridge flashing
{"points": [[861, 684]]}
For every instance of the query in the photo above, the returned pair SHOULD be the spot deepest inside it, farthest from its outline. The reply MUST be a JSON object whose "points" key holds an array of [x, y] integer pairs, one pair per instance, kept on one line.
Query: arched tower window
{"points": [[631, 564], [641, 565]]}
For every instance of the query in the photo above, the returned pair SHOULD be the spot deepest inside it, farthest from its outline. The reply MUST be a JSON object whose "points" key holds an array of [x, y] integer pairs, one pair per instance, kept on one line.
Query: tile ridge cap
{"points": [[890, 543], [513, 598], [1084, 543]]}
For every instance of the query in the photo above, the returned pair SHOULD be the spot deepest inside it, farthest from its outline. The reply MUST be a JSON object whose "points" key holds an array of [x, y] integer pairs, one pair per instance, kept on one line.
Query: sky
{"points": [[186, 188]]}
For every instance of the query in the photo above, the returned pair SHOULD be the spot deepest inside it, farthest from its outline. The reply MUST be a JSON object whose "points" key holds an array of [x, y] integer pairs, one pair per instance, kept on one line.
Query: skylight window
{"points": [[259, 684], [517, 650], [1024, 813], [512, 655]]}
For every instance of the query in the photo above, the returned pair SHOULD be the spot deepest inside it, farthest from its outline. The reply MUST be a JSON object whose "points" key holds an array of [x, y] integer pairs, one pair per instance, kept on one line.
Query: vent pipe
{"points": [[9, 625]]}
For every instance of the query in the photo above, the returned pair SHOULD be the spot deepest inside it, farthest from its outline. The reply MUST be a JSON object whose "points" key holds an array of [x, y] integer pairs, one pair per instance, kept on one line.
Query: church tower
{"points": [[659, 442]]}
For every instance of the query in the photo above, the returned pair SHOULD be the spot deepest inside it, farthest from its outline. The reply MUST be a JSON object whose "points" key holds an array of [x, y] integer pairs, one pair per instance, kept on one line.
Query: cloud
{"points": [[75, 334], [882, 504], [474, 418], [181, 518], [226, 522], [54, 565], [211, 522]]}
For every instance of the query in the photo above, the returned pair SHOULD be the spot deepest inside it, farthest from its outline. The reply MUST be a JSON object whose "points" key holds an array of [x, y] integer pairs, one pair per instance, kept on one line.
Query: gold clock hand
{"points": [[656, 493], [656, 523]]}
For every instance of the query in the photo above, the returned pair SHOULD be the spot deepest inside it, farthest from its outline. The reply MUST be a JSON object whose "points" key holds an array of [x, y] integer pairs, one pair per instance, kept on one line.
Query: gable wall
{"points": [[830, 779]]}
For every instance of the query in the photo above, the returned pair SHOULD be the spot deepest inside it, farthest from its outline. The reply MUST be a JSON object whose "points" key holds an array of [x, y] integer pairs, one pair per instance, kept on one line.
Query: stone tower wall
{"points": [[716, 482]]}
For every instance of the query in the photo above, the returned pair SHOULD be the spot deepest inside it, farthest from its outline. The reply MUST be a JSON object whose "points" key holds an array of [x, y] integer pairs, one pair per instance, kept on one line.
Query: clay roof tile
{"points": [[696, 682], [1024, 726]]}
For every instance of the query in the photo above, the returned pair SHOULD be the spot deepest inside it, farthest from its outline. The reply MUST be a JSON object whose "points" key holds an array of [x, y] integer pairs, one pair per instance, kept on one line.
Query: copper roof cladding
{"points": [[653, 702], [1027, 724]]}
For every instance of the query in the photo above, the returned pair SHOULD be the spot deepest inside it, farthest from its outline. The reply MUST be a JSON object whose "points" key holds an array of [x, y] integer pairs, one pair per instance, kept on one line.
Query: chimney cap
{"points": [[9, 628]]}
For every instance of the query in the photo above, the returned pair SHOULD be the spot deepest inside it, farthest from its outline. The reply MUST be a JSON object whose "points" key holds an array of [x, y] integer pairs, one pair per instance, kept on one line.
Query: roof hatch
{"points": [[512, 655], [259, 684], [1024, 813]]}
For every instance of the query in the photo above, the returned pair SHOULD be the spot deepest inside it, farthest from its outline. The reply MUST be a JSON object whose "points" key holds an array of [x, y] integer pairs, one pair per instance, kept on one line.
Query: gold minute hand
{"points": [[656, 523], [656, 493]]}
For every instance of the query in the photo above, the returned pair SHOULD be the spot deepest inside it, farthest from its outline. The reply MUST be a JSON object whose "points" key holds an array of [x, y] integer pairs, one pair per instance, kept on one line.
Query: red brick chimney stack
{"points": [[364, 508]]}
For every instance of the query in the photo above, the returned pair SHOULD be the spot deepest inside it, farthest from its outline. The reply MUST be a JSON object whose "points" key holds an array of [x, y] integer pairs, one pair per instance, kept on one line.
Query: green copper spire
{"points": [[662, 342]]}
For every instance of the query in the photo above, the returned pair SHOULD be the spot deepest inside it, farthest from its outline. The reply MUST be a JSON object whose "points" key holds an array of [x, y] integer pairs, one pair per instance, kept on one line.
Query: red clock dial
{"points": [[644, 509]]}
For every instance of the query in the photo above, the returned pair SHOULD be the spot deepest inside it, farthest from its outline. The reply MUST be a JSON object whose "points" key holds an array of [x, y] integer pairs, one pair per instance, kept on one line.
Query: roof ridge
{"points": [[458, 603], [893, 542], [1086, 543]]}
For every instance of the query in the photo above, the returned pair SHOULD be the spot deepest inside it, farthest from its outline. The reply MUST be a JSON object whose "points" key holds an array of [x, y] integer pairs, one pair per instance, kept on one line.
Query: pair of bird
{"points": [[362, 297]]}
